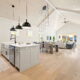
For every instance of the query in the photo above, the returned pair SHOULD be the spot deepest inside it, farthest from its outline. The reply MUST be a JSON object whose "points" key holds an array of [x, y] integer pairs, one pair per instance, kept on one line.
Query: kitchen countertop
{"points": [[23, 45], [20, 44], [7, 43]]}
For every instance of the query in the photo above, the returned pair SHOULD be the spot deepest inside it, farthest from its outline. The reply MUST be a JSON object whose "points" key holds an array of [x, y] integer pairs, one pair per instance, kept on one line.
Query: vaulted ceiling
{"points": [[34, 11], [35, 14], [67, 4]]}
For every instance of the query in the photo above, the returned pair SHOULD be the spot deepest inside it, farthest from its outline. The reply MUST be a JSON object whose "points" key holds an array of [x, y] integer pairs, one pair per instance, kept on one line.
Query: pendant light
{"points": [[19, 27], [13, 29], [44, 7], [26, 23]]}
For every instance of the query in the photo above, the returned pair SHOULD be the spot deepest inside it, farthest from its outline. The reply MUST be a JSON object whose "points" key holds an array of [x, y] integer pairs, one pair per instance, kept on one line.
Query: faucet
{"points": [[13, 38]]}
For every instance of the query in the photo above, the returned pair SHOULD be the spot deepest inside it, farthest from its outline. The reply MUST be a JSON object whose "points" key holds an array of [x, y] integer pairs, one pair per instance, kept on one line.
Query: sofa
{"points": [[61, 44], [70, 45], [66, 45]]}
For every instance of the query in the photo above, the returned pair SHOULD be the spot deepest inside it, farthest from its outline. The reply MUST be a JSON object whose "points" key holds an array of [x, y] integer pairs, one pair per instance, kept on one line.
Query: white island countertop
{"points": [[23, 45]]}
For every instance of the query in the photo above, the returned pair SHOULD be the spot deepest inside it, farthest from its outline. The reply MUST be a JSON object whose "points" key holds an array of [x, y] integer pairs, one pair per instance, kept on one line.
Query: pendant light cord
{"points": [[13, 11], [19, 11], [19, 20], [19, 14], [26, 10]]}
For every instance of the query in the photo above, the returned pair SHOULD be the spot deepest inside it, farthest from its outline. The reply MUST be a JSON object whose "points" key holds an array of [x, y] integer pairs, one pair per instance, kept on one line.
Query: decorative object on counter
{"points": [[26, 23], [19, 27], [13, 29]]}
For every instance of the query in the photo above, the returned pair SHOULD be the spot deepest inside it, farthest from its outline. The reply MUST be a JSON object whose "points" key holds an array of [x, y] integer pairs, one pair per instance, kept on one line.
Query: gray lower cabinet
{"points": [[35, 55], [5, 50], [17, 57], [26, 57]]}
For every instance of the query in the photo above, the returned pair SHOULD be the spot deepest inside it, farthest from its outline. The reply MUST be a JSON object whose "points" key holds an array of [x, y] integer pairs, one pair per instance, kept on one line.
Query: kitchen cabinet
{"points": [[5, 50], [34, 55], [17, 57], [22, 56], [26, 57]]}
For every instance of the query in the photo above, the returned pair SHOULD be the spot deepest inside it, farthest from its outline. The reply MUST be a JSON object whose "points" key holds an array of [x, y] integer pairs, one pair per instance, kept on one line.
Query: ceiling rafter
{"points": [[57, 8]]}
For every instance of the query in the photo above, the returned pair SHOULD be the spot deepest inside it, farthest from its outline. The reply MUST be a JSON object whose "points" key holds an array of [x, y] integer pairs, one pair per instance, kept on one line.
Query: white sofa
{"points": [[61, 44]]}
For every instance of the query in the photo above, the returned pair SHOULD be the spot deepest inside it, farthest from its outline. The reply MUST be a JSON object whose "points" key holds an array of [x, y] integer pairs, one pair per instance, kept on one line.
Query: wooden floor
{"points": [[64, 65]]}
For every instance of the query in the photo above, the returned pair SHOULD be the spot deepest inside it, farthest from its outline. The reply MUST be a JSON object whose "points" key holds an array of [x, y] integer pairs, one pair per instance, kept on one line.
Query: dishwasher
{"points": [[12, 55]]}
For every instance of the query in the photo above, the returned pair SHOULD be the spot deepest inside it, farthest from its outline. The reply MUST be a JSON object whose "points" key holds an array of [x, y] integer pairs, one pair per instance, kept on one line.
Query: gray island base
{"points": [[26, 56]]}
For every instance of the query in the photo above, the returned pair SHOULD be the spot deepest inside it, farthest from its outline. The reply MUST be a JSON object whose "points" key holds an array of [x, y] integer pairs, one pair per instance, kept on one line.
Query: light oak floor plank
{"points": [[64, 65]]}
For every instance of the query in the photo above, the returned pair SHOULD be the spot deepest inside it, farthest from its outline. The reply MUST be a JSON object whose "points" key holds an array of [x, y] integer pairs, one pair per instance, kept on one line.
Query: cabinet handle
{"points": [[6, 52]]}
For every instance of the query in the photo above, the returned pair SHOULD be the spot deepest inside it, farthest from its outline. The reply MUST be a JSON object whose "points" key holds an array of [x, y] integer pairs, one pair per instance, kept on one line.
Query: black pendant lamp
{"points": [[26, 23], [19, 27], [13, 29], [44, 7]]}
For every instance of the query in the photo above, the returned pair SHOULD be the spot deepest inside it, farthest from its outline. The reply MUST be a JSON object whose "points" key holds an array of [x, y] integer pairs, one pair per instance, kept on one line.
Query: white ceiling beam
{"points": [[68, 10], [50, 4], [54, 7]]}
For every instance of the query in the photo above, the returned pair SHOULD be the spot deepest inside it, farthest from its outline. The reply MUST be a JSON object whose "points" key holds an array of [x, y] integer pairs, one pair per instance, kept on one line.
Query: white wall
{"points": [[27, 36], [5, 26], [70, 28], [55, 23]]}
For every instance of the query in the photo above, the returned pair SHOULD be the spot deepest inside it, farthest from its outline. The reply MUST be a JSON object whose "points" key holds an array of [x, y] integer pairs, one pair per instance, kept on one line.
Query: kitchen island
{"points": [[24, 56]]}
